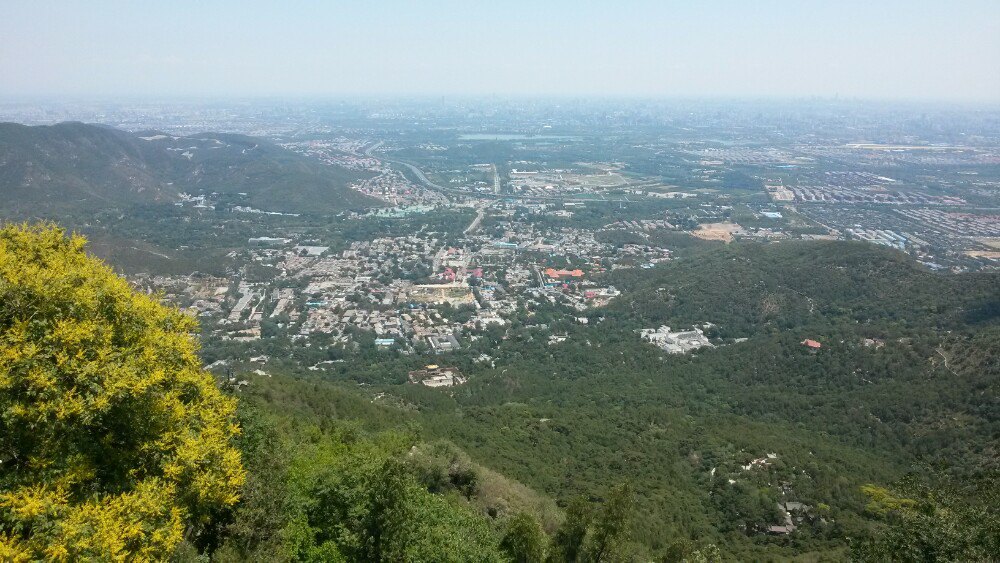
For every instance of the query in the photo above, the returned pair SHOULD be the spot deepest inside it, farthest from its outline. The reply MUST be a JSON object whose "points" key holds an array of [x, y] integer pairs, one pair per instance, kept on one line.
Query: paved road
{"points": [[371, 149], [538, 274], [438, 256], [420, 176], [480, 213]]}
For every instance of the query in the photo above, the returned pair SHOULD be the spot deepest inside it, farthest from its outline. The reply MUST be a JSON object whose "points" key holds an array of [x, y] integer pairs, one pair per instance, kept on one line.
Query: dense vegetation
{"points": [[116, 445], [333, 476], [905, 383], [887, 394], [608, 449]]}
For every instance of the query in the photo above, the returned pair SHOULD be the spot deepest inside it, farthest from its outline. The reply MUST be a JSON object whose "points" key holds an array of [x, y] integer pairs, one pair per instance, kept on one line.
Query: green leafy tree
{"points": [[113, 440], [252, 529], [686, 551], [388, 513], [567, 544], [523, 540], [708, 554], [595, 535], [920, 523], [608, 534], [370, 507]]}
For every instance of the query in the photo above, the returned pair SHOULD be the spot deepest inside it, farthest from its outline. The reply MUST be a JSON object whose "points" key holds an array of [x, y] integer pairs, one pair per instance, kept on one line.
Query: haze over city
{"points": [[506, 282], [892, 49]]}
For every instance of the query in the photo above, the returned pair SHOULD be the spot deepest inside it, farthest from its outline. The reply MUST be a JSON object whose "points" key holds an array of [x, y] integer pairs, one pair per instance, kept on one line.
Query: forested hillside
{"points": [[883, 396], [905, 382], [75, 168], [750, 289], [116, 445], [879, 443]]}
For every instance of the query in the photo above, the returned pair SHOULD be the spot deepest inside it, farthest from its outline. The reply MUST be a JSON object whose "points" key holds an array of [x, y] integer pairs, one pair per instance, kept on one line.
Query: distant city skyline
{"points": [[892, 49]]}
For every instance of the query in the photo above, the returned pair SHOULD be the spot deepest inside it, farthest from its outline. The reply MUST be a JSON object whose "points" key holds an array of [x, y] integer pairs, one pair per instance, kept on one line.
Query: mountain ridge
{"points": [[77, 166]]}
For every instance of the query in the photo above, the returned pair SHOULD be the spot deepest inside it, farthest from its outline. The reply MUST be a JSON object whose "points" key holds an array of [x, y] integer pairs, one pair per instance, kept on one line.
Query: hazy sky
{"points": [[944, 49]]}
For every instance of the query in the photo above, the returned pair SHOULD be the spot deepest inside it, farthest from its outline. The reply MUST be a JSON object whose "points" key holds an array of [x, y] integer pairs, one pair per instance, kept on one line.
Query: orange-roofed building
{"points": [[556, 274], [812, 344]]}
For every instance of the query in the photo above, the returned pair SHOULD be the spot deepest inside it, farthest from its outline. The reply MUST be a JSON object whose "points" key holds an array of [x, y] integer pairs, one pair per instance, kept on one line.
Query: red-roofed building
{"points": [[812, 344]]}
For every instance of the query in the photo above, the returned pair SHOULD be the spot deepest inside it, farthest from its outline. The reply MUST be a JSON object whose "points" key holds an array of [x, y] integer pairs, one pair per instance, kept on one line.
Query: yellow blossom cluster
{"points": [[112, 437]]}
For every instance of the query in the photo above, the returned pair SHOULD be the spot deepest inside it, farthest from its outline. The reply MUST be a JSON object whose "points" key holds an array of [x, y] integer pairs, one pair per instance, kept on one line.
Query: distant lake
{"points": [[512, 137]]}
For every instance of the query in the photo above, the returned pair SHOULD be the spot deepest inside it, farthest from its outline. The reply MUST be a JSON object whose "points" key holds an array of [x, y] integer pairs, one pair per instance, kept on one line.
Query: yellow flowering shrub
{"points": [[112, 437]]}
